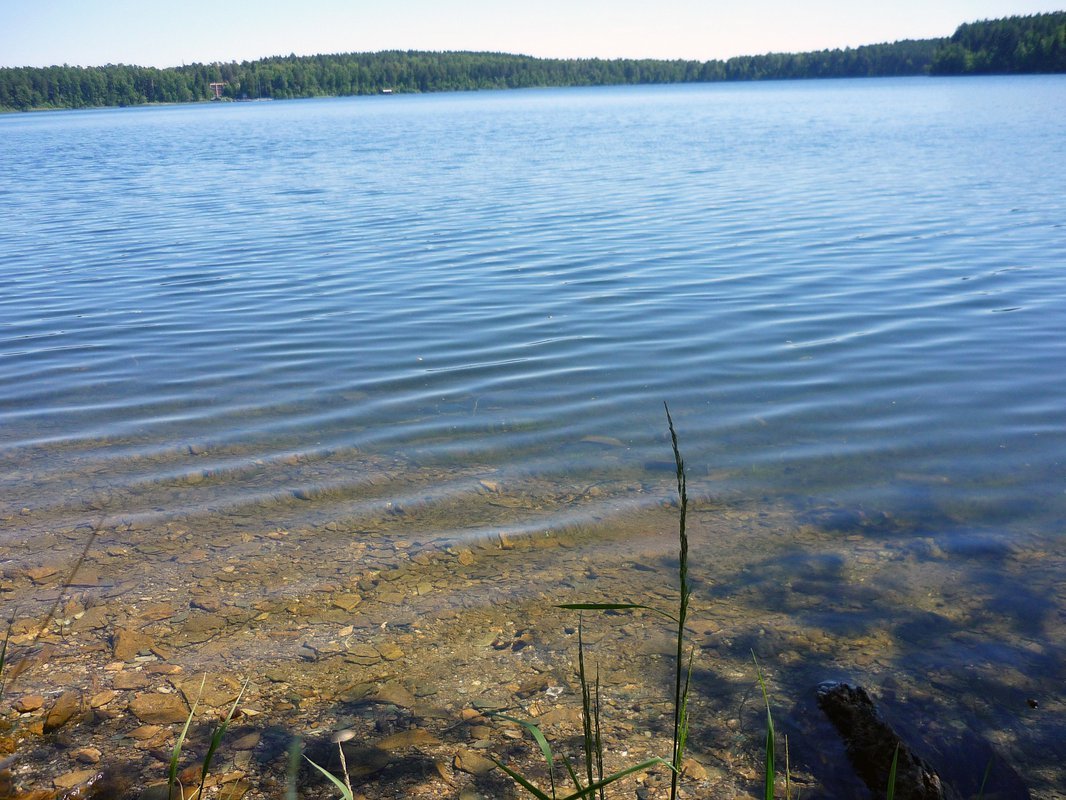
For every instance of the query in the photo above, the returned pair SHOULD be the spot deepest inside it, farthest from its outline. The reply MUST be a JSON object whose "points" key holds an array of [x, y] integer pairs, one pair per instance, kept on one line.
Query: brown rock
{"points": [[390, 651], [101, 699], [75, 778], [218, 690], [128, 643], [30, 702], [41, 574], [159, 709], [347, 602], [88, 755], [394, 693], [130, 680], [68, 704], [473, 763]]}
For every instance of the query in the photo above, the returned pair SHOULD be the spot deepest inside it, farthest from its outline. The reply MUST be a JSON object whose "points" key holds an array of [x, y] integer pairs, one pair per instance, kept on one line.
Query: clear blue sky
{"points": [[170, 33]]}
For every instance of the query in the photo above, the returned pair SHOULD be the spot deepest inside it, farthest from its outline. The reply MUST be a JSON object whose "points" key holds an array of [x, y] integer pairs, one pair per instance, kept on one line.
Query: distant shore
{"points": [[1013, 45]]}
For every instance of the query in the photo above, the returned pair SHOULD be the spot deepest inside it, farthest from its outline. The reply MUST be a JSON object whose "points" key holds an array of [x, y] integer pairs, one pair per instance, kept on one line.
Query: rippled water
{"points": [[448, 316]]}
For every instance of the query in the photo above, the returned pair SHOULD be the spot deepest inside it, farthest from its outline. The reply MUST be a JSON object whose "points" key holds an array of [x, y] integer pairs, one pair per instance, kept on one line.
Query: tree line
{"points": [[1034, 43]]}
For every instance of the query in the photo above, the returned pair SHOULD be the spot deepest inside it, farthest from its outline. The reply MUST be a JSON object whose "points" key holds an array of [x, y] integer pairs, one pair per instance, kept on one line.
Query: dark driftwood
{"points": [[870, 744]]}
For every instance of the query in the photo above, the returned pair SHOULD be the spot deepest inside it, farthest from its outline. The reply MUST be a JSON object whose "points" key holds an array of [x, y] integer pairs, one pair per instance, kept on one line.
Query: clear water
{"points": [[427, 320]]}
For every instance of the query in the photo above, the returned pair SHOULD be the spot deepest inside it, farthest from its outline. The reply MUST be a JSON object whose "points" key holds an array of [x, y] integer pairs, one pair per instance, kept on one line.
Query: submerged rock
{"points": [[871, 743]]}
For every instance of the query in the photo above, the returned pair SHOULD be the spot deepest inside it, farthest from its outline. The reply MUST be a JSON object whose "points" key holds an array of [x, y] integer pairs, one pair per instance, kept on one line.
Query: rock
{"points": [[68, 704], [127, 643], [217, 690], [125, 680], [473, 763], [870, 744], [75, 778], [390, 651], [41, 574], [30, 702], [88, 755], [101, 699], [694, 769], [393, 693], [347, 602], [159, 709]]}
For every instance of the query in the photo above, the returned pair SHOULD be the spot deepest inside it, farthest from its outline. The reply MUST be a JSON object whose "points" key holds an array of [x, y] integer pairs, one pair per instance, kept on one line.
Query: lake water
{"points": [[442, 318]]}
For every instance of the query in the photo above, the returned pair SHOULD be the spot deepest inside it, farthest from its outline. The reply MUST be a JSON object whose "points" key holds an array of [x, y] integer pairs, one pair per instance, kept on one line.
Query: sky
{"points": [[174, 32]]}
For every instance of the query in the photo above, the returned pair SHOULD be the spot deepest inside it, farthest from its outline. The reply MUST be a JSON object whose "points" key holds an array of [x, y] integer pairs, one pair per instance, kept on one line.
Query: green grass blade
{"points": [[890, 792], [542, 743], [769, 778], [175, 755], [586, 705], [984, 780], [525, 784], [216, 738], [589, 790], [346, 793], [295, 746], [573, 774]]}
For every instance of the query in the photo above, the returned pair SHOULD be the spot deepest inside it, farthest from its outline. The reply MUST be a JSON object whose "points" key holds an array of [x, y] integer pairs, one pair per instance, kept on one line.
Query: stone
{"points": [[75, 778], [30, 702], [101, 699], [473, 763], [159, 709], [68, 704], [88, 755], [347, 602], [393, 693], [127, 680], [390, 651], [128, 643]]}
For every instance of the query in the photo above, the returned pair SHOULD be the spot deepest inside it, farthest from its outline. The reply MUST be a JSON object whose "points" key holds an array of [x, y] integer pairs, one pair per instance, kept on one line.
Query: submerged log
{"points": [[871, 743]]}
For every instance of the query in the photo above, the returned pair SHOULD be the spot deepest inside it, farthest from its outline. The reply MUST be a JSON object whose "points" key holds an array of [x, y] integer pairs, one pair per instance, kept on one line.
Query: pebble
{"points": [[75, 778]]}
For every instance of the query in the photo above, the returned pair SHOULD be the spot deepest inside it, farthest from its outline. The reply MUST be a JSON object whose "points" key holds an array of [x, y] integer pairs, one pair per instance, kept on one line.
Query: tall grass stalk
{"points": [[769, 771], [175, 755], [681, 688], [216, 738]]}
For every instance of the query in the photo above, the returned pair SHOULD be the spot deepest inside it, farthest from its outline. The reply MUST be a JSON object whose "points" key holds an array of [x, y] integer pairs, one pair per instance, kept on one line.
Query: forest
{"points": [[1016, 44], [1011, 45]]}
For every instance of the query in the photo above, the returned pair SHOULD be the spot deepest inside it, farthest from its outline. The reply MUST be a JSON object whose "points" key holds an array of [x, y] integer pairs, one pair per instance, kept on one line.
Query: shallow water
{"points": [[268, 350]]}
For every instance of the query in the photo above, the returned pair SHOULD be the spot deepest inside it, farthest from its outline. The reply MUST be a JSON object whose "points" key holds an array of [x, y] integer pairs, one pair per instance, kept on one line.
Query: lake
{"points": [[268, 353]]}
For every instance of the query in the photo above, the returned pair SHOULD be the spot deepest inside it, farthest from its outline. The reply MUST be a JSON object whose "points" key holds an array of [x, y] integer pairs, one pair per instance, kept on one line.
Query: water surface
{"points": [[445, 317]]}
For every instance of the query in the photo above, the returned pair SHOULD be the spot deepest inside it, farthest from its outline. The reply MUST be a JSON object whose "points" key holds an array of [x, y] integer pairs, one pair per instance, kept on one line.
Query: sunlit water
{"points": [[851, 293]]}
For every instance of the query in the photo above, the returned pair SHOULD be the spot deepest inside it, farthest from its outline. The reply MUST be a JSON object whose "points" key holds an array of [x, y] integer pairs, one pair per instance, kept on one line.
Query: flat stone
{"points": [[101, 699], [41, 574], [394, 693], [473, 763], [128, 643], [75, 778], [127, 680], [218, 690], [159, 709], [347, 602], [390, 651], [30, 702]]}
